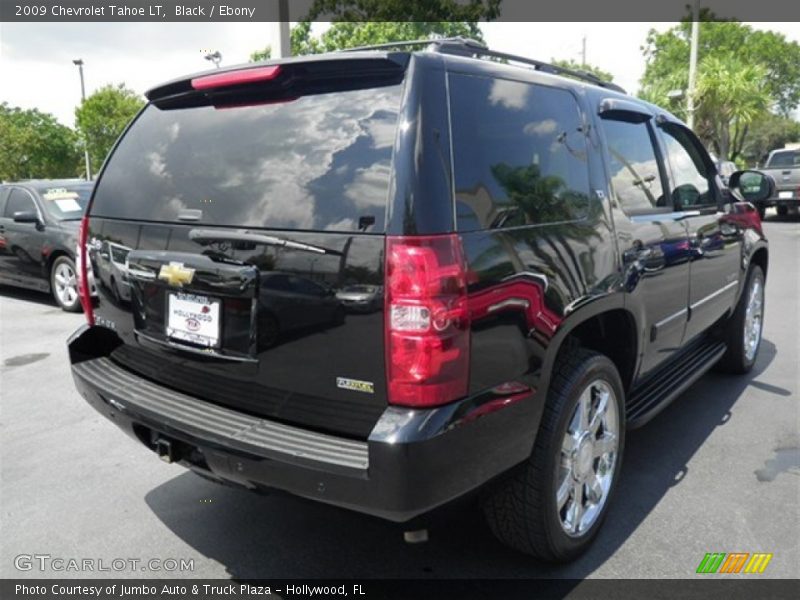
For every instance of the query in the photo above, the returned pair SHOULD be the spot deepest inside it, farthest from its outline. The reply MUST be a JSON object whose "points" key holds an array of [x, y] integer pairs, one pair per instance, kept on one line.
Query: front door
{"points": [[716, 244], [652, 237]]}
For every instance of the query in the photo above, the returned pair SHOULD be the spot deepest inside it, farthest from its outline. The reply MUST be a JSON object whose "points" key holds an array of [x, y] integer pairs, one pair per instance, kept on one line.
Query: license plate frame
{"points": [[193, 318]]}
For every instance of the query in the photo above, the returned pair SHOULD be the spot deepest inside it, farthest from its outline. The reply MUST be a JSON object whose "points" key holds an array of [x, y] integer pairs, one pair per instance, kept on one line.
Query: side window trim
{"points": [[663, 129], [669, 208], [30, 197]]}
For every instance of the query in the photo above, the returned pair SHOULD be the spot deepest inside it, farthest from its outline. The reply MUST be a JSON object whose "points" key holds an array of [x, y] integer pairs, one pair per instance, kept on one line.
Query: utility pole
{"points": [[79, 63], [284, 37], [583, 52], [692, 66]]}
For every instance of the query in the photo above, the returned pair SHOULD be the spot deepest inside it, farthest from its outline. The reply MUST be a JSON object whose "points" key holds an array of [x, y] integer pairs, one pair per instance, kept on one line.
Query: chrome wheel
{"points": [[588, 458], [65, 281], [753, 319]]}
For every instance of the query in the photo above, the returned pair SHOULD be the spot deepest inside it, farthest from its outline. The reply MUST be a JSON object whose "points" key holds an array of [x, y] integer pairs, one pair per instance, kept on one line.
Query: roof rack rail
{"points": [[468, 47]]}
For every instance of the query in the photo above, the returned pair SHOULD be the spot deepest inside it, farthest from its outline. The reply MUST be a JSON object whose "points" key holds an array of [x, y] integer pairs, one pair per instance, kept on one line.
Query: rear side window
{"points": [[319, 162], [519, 153], [633, 166]]}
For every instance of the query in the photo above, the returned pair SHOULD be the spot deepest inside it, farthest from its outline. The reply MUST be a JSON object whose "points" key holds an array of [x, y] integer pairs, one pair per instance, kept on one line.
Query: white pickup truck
{"points": [[784, 167]]}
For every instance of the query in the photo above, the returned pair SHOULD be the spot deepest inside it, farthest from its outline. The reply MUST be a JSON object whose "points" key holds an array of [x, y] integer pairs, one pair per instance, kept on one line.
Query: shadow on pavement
{"points": [[15, 293], [277, 536]]}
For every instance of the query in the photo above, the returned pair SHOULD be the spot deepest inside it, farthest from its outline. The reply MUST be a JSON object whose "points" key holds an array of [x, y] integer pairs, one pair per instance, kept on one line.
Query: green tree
{"points": [[742, 73], [102, 117], [667, 56], [576, 66], [367, 22], [34, 145], [393, 10], [730, 95], [348, 34]]}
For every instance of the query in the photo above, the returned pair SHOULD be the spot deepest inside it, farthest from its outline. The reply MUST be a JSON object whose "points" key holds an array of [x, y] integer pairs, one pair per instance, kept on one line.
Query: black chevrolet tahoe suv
{"points": [[555, 260]]}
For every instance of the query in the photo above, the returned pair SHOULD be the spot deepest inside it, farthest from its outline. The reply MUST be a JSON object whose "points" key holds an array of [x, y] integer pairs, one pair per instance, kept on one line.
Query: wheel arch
{"points": [[761, 258], [605, 326]]}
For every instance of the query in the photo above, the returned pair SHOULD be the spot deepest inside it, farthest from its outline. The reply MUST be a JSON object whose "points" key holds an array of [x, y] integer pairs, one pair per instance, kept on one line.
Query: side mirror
{"points": [[27, 216], [752, 186]]}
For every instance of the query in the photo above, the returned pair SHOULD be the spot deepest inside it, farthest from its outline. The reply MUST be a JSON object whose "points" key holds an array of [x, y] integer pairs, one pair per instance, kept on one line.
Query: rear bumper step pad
{"points": [[201, 419]]}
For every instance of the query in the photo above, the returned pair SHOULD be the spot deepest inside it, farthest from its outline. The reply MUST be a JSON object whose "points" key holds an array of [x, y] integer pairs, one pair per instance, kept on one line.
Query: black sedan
{"points": [[38, 236]]}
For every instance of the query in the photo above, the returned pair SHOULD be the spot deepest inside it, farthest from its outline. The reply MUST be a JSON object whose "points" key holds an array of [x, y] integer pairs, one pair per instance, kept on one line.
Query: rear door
{"points": [[244, 213], [715, 242]]}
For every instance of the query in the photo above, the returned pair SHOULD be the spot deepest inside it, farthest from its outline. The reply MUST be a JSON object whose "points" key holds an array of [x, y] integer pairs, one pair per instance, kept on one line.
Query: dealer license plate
{"points": [[192, 318]]}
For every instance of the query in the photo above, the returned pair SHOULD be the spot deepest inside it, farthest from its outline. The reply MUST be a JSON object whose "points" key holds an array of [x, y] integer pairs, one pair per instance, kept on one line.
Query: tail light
{"points": [[84, 290], [427, 320], [238, 77]]}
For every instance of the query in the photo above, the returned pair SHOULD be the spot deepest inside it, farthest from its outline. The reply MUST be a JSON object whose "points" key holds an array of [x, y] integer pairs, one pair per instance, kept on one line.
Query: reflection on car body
{"points": [[361, 298], [288, 303], [112, 269]]}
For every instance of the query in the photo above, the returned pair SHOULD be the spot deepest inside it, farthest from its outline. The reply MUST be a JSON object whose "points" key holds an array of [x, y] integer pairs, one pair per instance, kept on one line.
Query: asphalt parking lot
{"points": [[718, 471]]}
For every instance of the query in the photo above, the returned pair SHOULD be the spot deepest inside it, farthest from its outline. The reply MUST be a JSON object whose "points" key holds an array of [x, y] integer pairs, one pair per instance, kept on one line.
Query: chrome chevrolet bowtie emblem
{"points": [[175, 274]]}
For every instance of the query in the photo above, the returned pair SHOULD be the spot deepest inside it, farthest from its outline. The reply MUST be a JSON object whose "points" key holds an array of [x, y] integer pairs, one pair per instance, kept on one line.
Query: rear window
{"points": [[319, 163], [785, 159], [520, 154]]}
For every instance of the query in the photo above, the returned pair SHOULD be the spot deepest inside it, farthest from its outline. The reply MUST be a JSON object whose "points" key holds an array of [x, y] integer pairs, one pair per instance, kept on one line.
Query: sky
{"points": [[37, 71]]}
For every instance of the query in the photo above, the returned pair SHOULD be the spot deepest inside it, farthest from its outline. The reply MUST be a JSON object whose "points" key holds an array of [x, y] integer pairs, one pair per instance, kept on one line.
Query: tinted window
{"points": [[690, 184], [519, 152], [66, 202], [19, 201], [279, 283], [319, 162], [633, 167], [785, 159], [304, 286], [119, 255]]}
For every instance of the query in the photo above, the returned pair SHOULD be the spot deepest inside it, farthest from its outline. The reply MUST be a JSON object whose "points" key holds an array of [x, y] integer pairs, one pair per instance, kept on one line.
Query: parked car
{"points": [[784, 167], [560, 261], [38, 233], [361, 298]]}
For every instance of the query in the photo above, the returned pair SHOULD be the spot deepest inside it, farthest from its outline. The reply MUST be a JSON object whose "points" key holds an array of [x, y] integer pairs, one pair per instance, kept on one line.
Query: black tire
{"points": [[783, 211], [736, 358], [68, 302], [522, 509]]}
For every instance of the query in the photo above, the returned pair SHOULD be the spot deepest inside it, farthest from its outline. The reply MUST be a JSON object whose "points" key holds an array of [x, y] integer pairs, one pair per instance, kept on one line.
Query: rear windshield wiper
{"points": [[210, 236]]}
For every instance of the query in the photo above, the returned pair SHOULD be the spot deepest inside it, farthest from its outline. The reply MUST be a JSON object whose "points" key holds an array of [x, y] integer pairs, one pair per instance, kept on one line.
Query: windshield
{"points": [[66, 202], [785, 159]]}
